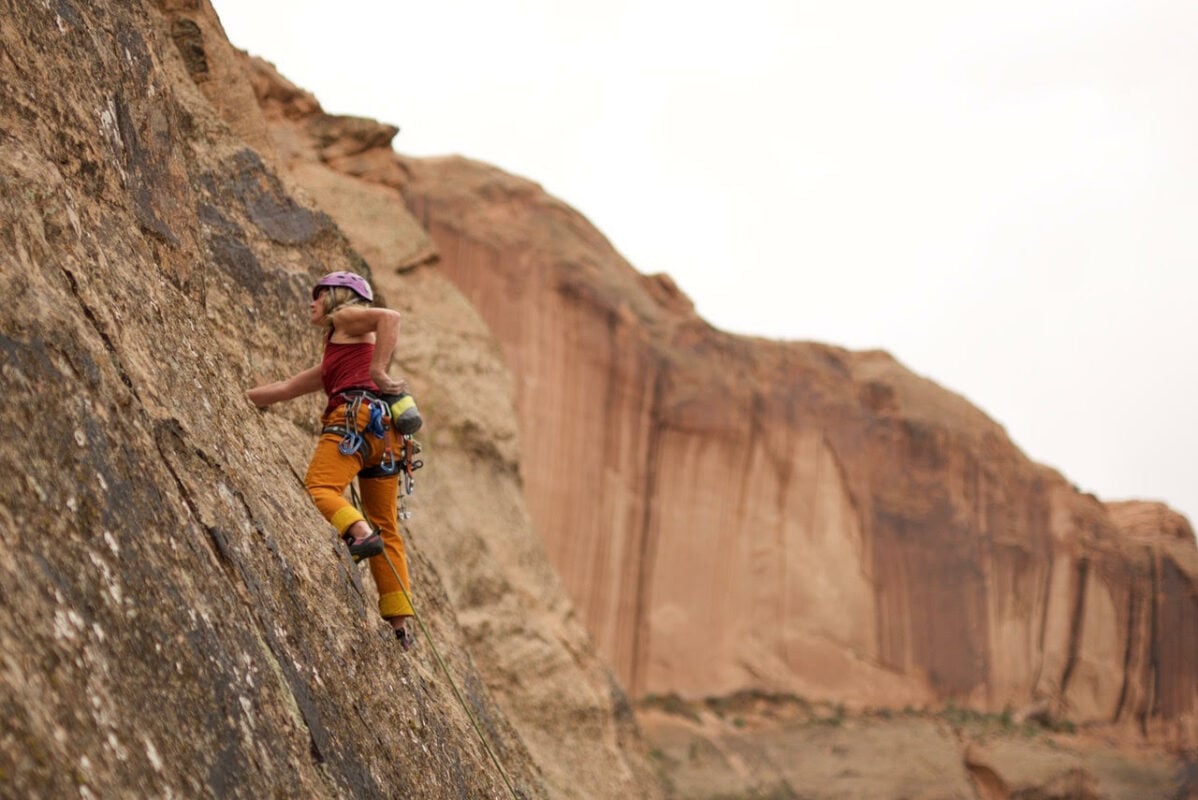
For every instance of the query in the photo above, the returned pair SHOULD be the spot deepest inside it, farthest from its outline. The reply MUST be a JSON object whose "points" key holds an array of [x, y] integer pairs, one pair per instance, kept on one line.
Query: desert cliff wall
{"points": [[175, 617], [733, 513]]}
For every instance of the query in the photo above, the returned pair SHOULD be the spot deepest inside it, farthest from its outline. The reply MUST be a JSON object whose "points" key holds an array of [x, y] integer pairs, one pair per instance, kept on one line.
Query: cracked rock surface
{"points": [[175, 617]]}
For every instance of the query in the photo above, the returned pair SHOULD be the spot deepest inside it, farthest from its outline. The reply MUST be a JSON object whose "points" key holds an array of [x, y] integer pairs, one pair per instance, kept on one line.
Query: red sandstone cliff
{"points": [[733, 512]]}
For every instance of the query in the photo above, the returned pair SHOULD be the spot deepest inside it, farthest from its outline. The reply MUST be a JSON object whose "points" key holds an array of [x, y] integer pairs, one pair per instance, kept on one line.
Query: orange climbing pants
{"points": [[330, 473]]}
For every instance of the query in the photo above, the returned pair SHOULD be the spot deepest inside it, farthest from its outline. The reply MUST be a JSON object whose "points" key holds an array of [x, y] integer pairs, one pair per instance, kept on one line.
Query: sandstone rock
{"points": [[208, 58], [729, 512], [878, 539], [1026, 767], [175, 618], [789, 516], [1140, 520]]}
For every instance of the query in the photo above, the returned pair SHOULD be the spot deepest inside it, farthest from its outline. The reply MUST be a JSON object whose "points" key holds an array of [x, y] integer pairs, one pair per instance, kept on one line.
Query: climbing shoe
{"points": [[372, 545], [404, 636]]}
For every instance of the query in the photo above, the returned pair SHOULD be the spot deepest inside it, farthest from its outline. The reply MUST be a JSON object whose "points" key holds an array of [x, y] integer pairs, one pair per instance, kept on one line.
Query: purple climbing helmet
{"points": [[355, 283]]}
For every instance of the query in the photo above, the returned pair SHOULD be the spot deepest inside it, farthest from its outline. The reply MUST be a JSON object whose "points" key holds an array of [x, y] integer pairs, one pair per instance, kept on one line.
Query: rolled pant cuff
{"points": [[395, 604], [343, 518]]}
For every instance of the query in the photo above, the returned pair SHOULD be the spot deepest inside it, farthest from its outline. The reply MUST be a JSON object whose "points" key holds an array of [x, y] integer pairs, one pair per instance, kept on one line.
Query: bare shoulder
{"points": [[357, 320], [357, 323]]}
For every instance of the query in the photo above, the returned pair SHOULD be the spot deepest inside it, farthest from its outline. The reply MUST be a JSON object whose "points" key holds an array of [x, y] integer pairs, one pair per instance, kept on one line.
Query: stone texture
{"points": [[734, 513], [175, 617], [176, 620]]}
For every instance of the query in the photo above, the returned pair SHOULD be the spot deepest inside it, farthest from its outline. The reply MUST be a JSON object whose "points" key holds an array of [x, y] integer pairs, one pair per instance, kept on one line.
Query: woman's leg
{"points": [[328, 474], [380, 501]]}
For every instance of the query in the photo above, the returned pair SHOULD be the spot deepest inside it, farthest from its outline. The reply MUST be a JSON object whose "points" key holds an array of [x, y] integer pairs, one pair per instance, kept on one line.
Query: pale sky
{"points": [[1004, 195]]}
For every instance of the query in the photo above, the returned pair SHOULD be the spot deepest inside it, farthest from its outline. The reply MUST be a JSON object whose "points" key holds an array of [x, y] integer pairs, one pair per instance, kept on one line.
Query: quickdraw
{"points": [[411, 448]]}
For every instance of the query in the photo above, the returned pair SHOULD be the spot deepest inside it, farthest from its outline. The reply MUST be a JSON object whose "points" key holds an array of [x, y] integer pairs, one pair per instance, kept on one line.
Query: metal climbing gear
{"points": [[411, 448], [351, 439], [404, 463], [350, 443]]}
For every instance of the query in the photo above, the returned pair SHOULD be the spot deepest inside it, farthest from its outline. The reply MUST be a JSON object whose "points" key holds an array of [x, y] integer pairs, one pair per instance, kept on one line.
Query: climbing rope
{"points": [[437, 655]]}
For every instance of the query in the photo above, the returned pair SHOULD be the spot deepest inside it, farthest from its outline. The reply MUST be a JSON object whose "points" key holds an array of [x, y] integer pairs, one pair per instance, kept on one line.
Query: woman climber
{"points": [[357, 437]]}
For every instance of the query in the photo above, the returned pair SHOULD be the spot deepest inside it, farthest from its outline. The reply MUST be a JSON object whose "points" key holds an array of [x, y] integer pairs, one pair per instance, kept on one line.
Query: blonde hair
{"points": [[335, 297]]}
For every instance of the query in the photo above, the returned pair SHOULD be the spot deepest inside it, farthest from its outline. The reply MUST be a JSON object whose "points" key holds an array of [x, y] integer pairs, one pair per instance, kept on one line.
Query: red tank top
{"points": [[345, 367]]}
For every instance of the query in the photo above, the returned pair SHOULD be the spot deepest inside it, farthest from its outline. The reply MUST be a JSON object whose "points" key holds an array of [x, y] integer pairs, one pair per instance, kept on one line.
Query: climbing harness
{"points": [[381, 417]]}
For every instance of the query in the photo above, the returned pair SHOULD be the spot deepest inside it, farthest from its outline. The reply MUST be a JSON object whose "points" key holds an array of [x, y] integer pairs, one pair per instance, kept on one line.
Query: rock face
{"points": [[733, 513], [175, 617], [532, 650]]}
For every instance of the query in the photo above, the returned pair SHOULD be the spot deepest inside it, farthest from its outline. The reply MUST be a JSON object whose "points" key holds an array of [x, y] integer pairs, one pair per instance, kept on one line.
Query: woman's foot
{"points": [[362, 541], [399, 625]]}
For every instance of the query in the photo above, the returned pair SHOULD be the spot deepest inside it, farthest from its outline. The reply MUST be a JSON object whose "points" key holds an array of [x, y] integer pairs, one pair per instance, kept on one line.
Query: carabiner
{"points": [[350, 444]]}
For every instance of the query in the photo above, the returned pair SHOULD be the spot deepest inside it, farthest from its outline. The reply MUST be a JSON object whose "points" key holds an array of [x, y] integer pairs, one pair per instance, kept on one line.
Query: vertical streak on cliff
{"points": [[755, 454], [784, 558], [1176, 689], [785, 468], [979, 501], [613, 459], [812, 522], [1128, 649], [1077, 620], [608, 455], [1151, 700], [646, 541], [1045, 603]]}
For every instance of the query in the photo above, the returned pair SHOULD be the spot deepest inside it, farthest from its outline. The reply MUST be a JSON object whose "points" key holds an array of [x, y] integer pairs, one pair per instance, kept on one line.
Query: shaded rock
{"points": [[175, 618]]}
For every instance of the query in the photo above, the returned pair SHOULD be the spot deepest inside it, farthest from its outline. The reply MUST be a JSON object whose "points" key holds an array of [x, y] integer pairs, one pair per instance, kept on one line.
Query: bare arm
{"points": [[299, 384], [384, 324], [387, 333]]}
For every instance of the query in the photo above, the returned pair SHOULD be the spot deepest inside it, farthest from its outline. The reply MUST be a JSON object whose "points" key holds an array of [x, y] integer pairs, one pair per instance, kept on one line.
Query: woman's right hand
{"points": [[387, 384]]}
